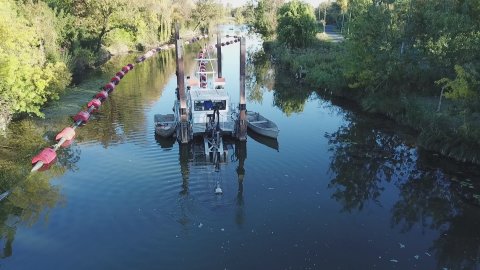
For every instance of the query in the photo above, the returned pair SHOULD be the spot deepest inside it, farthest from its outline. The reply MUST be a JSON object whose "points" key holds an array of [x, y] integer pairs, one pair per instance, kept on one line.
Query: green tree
{"points": [[265, 14], [29, 71], [100, 17], [207, 13], [296, 24]]}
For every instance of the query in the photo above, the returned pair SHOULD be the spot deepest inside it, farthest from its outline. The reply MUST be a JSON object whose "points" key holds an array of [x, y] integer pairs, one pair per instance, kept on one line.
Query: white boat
{"points": [[261, 125], [165, 125], [207, 99]]}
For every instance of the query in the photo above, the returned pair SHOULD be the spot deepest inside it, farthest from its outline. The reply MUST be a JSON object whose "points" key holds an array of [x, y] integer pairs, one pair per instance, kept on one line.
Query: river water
{"points": [[338, 190]]}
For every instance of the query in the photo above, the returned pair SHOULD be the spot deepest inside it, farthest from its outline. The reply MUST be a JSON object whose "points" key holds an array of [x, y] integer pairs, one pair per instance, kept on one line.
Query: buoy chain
{"points": [[48, 155]]}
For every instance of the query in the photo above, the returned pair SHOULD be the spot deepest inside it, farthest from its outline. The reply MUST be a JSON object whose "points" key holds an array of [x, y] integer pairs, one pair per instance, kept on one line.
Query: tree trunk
{"points": [[100, 38]]}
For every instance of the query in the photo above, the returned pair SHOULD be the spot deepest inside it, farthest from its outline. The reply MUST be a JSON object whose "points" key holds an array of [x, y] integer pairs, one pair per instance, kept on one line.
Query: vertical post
{"points": [[219, 54], [183, 127], [241, 122]]}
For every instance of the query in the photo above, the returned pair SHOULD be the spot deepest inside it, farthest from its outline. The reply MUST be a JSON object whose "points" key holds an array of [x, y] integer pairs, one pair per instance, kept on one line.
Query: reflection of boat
{"points": [[165, 142], [165, 125], [267, 141], [262, 125]]}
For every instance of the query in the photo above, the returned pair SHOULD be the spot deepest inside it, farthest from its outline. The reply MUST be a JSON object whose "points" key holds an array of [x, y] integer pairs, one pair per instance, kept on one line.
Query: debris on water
{"points": [[394, 261], [200, 225], [428, 254], [271, 188], [222, 229], [401, 245], [416, 257]]}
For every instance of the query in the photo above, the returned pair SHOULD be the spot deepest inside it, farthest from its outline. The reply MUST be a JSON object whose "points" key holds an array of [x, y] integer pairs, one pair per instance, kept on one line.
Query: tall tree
{"points": [[265, 14], [296, 24]]}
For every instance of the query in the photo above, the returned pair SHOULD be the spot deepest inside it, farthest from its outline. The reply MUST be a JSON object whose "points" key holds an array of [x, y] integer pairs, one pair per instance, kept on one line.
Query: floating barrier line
{"points": [[48, 155]]}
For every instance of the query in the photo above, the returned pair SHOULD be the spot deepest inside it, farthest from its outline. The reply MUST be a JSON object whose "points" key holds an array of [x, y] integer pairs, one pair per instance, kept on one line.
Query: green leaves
{"points": [[464, 87], [296, 24], [28, 78]]}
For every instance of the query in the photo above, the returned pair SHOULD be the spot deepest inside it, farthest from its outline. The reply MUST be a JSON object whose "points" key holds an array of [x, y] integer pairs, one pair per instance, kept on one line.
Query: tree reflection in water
{"points": [[366, 157], [32, 195], [262, 74]]}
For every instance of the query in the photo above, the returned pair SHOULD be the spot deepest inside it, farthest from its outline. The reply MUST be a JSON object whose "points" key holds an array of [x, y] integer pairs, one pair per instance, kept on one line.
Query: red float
{"points": [[109, 87], [46, 156], [82, 116], [120, 74], [67, 133], [126, 69], [95, 103], [102, 95], [130, 66], [115, 80]]}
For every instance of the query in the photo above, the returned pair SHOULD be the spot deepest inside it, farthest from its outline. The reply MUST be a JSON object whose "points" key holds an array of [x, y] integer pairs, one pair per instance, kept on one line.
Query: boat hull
{"points": [[261, 125], [165, 125]]}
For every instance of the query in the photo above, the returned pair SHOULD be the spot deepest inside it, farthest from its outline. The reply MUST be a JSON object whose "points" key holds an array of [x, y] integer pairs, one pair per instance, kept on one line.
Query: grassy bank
{"points": [[450, 130]]}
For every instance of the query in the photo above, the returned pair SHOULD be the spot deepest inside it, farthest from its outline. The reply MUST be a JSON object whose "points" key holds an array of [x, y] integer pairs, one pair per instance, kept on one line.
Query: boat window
{"points": [[208, 105], [220, 104]]}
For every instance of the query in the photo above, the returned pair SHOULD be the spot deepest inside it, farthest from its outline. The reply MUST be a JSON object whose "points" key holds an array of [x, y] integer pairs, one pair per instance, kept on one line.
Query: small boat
{"points": [[165, 125], [262, 125]]}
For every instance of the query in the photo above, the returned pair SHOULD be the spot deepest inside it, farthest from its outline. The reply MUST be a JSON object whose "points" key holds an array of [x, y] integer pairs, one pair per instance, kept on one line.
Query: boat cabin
{"points": [[203, 102]]}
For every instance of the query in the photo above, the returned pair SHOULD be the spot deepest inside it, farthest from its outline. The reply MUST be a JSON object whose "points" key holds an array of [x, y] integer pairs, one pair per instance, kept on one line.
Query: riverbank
{"points": [[444, 128]]}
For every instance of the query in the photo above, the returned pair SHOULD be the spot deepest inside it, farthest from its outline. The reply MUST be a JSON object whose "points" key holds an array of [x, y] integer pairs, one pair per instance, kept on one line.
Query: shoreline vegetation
{"points": [[49, 45], [413, 62]]}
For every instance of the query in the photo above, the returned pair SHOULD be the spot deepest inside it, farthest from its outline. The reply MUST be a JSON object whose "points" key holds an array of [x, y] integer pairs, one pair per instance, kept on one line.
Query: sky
{"points": [[236, 3]]}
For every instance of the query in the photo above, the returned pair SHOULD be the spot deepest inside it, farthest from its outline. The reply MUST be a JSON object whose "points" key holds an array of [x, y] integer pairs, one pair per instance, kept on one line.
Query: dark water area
{"points": [[338, 190]]}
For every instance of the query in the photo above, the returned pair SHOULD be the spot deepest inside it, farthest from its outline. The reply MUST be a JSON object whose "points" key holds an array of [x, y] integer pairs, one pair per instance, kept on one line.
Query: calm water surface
{"points": [[338, 190]]}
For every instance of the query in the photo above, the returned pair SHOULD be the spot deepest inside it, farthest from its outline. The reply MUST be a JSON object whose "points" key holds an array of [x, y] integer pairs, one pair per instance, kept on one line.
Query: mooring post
{"points": [[219, 53], [183, 127], [241, 122]]}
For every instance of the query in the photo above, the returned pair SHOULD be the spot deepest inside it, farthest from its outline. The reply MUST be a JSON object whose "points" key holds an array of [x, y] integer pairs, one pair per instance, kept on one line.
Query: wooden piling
{"points": [[183, 127], [219, 54], [241, 122]]}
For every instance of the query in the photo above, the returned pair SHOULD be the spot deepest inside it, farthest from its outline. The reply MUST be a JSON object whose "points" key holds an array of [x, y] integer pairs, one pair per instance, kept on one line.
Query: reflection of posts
{"points": [[184, 169], [241, 155]]}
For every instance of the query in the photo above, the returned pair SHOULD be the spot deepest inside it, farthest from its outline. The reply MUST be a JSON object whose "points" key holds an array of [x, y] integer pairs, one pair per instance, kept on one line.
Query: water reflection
{"points": [[367, 155], [269, 142], [32, 195], [240, 156], [192, 158], [263, 75], [260, 75]]}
